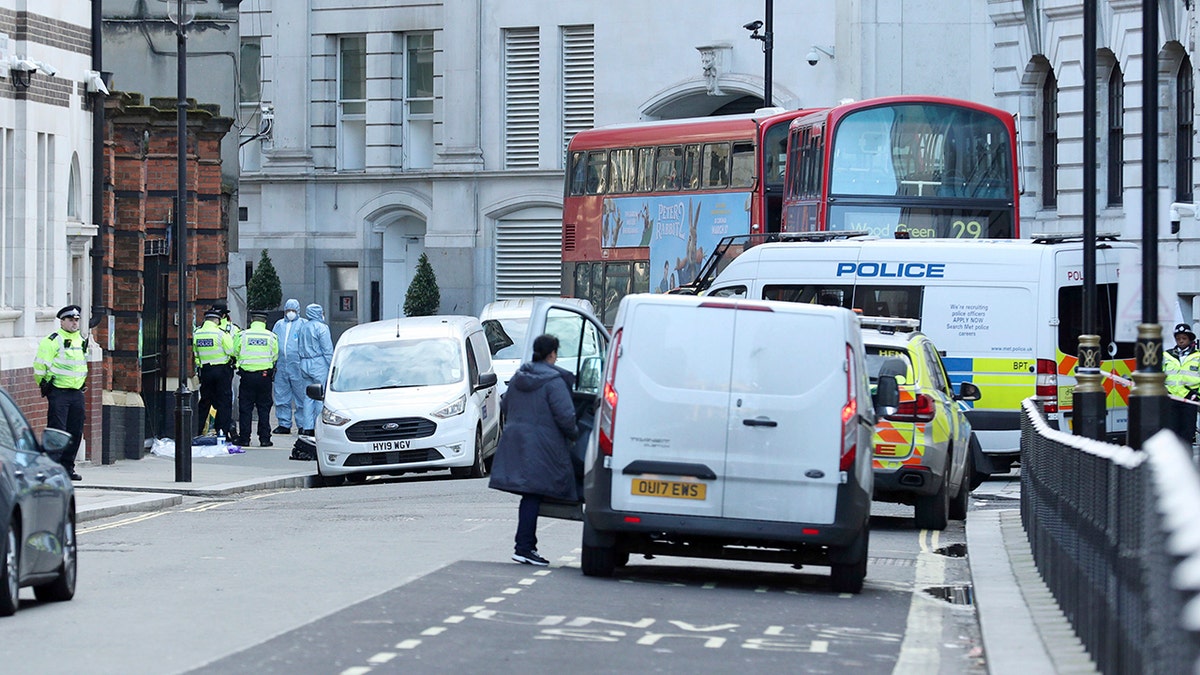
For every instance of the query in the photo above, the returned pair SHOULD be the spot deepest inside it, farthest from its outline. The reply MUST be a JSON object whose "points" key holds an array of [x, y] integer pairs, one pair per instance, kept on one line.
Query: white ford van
{"points": [[412, 394], [505, 323], [715, 438], [1007, 313]]}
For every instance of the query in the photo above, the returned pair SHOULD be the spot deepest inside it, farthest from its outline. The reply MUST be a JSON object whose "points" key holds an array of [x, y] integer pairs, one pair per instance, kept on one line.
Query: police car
{"points": [[923, 450]]}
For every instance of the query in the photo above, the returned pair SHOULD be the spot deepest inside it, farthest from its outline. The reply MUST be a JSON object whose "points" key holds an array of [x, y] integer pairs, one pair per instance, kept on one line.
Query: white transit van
{"points": [[505, 323], [413, 394], [1006, 313], [716, 438]]}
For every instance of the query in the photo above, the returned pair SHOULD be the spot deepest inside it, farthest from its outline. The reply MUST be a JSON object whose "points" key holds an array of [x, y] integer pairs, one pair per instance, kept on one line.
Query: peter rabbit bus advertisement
{"points": [[680, 231]]}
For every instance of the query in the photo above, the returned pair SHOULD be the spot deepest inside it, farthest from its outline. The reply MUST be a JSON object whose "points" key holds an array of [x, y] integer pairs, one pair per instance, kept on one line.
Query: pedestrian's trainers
{"points": [[531, 558], [75, 476], [265, 444], [282, 430]]}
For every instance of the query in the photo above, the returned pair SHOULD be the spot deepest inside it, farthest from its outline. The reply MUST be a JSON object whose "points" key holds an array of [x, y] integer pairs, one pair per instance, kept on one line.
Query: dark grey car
{"points": [[37, 512]]}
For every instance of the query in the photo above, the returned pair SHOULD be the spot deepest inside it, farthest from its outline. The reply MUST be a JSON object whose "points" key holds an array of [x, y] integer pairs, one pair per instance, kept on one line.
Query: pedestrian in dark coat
{"points": [[534, 455]]}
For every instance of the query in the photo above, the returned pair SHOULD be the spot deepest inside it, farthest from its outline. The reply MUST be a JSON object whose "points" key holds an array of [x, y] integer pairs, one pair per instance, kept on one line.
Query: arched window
{"points": [[1050, 141], [1184, 153], [74, 191], [1116, 136]]}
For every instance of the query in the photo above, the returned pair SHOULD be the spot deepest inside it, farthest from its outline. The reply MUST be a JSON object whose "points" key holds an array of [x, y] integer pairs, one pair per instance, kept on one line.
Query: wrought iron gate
{"points": [[153, 348]]}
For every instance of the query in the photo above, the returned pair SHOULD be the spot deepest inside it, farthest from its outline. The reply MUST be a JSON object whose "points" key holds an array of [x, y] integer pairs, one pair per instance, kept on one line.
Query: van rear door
{"points": [[788, 390], [672, 411]]}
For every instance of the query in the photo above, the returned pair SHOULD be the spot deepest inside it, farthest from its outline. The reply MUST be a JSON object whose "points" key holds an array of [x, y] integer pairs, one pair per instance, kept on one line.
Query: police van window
{"points": [[1070, 321], [729, 292], [900, 301], [814, 294]]}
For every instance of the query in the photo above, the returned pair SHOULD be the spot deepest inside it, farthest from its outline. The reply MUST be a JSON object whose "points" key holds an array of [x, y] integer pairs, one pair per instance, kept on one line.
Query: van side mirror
{"points": [[486, 380], [590, 375], [968, 391], [315, 391], [887, 396]]}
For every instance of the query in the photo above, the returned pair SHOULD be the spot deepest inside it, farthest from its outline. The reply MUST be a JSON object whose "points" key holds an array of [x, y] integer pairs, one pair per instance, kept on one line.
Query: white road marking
{"points": [[773, 630], [527, 582], [819, 647], [454, 619], [382, 657], [436, 630], [494, 599], [407, 644], [919, 652], [541, 573], [709, 586], [511, 591], [472, 609], [357, 670]]}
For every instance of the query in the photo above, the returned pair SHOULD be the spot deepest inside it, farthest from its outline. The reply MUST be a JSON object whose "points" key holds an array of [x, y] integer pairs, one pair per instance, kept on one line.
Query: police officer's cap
{"points": [[70, 311], [220, 308], [212, 314], [1184, 328], [258, 314]]}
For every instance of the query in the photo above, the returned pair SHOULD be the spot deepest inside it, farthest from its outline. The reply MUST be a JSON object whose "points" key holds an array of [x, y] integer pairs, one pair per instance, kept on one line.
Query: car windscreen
{"points": [[397, 363], [506, 337]]}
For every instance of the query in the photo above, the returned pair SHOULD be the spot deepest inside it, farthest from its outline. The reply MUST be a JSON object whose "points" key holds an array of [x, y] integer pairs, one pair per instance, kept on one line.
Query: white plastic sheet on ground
{"points": [[165, 447]]}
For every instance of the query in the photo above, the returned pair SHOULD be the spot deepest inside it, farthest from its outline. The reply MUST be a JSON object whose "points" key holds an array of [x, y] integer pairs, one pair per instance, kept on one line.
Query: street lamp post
{"points": [[181, 16], [1148, 397], [768, 40]]}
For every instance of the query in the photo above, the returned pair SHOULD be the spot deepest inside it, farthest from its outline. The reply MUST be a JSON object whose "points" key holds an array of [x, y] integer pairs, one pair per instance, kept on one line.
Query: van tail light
{"points": [[920, 409], [849, 413], [608, 399], [1046, 391]]}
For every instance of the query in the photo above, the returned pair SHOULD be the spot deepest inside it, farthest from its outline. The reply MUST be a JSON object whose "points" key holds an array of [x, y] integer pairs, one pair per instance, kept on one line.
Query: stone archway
{"points": [[403, 244]]}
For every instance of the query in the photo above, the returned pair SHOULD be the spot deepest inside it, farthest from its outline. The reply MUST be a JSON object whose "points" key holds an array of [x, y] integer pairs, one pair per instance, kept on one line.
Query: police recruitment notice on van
{"points": [[964, 319]]}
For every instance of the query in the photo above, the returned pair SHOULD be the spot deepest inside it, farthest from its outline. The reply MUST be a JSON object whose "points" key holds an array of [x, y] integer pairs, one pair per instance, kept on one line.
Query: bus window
{"points": [[597, 172], [645, 170], [641, 277], [691, 167], [743, 165], [715, 165], [775, 154], [616, 286], [667, 165], [621, 170], [596, 287], [578, 173]]}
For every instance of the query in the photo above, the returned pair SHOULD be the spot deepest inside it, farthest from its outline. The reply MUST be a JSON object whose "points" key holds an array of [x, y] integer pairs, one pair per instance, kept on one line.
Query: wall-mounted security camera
{"points": [[814, 55], [95, 83], [45, 68], [23, 65], [753, 25]]}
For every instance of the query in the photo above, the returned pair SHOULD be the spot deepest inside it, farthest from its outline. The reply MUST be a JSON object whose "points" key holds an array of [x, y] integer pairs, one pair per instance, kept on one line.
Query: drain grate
{"points": [[953, 551], [955, 595]]}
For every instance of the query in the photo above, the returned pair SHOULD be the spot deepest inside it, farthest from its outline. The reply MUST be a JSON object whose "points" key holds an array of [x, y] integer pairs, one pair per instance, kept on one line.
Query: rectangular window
{"points": [[418, 100], [1184, 153], [249, 73], [1050, 142], [597, 172], [352, 103], [622, 170], [691, 167], [743, 165], [645, 171], [249, 98], [522, 98], [715, 165], [578, 80], [1116, 137], [668, 163]]}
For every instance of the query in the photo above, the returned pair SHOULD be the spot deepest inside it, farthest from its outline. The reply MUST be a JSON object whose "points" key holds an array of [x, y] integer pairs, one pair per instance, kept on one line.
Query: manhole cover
{"points": [[953, 551], [955, 595]]}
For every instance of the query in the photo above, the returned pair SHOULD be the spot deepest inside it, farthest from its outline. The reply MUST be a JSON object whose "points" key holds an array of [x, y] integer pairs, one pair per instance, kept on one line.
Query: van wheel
{"points": [[599, 561], [478, 468], [849, 577], [321, 480], [933, 511]]}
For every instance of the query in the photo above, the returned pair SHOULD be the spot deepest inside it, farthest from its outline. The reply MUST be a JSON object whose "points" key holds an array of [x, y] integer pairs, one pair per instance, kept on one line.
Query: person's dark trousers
{"points": [[1183, 420], [527, 515], [216, 390], [254, 394], [64, 411]]}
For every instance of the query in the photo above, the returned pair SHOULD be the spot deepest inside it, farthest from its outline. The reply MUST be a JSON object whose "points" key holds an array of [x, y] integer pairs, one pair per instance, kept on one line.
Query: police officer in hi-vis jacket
{"points": [[213, 350], [256, 353], [1181, 366], [60, 369]]}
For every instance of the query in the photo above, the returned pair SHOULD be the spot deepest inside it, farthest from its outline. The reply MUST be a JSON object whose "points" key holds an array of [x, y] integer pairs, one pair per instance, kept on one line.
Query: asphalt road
{"points": [[412, 575]]}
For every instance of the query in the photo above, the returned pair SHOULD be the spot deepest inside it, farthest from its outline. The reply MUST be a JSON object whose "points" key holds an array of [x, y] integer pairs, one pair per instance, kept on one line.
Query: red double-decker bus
{"points": [[920, 166], [645, 203]]}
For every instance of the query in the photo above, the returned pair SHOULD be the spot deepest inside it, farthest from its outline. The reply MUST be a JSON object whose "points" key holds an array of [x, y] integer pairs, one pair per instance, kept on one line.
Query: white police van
{"points": [[1006, 313]]}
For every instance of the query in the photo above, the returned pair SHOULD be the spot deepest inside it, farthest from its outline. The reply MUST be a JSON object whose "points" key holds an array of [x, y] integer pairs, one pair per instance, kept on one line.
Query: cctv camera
{"points": [[46, 69], [753, 25], [24, 65], [813, 57], [95, 83]]}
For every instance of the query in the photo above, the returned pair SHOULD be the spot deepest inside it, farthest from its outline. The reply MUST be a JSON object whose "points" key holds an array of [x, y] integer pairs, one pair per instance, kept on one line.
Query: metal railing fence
{"points": [[1115, 534]]}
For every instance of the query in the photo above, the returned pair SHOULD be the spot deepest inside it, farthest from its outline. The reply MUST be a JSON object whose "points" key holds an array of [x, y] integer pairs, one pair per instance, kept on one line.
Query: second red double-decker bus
{"points": [[920, 166], [646, 203]]}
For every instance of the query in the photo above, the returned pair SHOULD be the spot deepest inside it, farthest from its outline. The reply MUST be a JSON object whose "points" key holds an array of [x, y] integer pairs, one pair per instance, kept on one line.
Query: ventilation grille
{"points": [[528, 258], [521, 106], [579, 81]]}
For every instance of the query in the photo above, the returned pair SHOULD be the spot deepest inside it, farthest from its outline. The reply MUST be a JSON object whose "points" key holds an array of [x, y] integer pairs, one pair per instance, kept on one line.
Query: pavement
{"points": [[1023, 629]]}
